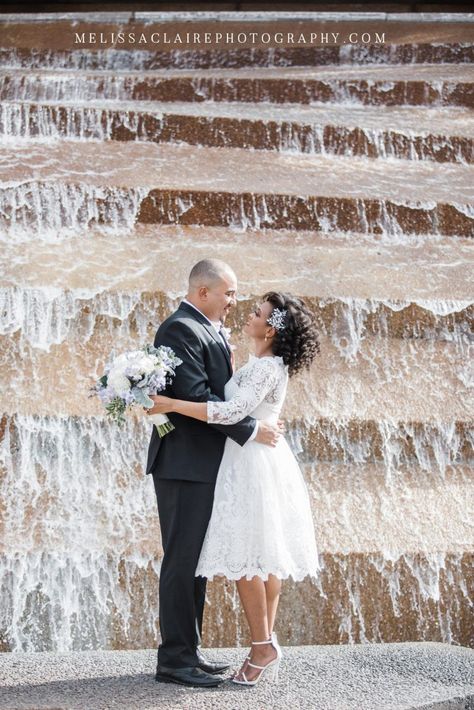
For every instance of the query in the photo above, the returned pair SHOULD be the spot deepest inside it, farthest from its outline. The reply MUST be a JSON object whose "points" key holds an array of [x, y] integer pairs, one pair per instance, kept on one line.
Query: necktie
{"points": [[224, 339]]}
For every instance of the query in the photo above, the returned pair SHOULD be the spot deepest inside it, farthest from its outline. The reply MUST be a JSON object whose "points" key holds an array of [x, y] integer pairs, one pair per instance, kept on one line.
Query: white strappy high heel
{"points": [[273, 666], [274, 639], [275, 642]]}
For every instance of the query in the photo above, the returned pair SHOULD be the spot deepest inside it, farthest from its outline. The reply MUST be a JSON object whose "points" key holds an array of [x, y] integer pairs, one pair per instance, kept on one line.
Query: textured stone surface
{"points": [[372, 677]]}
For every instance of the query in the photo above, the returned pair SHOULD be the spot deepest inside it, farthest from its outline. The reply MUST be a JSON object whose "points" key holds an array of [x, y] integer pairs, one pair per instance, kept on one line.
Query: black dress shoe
{"points": [[191, 676], [209, 666]]}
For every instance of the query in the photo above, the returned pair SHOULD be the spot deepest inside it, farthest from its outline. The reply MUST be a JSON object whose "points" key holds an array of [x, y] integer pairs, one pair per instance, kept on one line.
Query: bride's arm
{"points": [[165, 405], [261, 380]]}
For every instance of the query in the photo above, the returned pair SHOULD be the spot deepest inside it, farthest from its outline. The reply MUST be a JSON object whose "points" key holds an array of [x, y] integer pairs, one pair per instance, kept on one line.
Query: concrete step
{"points": [[341, 412], [373, 677], [369, 508], [358, 510], [360, 400], [426, 284], [397, 356], [358, 292], [416, 133], [183, 184], [398, 85], [47, 41], [454, 51], [357, 599], [431, 445]]}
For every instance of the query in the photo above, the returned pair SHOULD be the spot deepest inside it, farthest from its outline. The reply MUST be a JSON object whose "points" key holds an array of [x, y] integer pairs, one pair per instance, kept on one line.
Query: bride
{"points": [[261, 527]]}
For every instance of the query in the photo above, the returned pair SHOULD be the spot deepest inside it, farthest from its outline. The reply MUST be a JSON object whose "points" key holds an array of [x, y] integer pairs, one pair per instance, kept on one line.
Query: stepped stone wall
{"points": [[342, 174]]}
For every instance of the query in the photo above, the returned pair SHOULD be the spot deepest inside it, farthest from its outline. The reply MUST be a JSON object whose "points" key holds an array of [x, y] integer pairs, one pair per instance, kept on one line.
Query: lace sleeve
{"points": [[259, 381]]}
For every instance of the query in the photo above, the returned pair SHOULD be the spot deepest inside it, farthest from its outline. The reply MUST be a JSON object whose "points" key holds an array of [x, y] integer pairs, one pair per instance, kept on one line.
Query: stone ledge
{"points": [[440, 87], [267, 129], [170, 16], [373, 677]]}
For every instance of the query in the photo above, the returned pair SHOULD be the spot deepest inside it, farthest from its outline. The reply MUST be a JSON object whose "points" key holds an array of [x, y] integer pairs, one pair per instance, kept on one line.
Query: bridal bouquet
{"points": [[132, 377]]}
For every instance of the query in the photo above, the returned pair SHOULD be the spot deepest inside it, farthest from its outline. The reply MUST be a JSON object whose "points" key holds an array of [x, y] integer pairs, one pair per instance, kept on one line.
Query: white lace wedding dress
{"points": [[261, 520]]}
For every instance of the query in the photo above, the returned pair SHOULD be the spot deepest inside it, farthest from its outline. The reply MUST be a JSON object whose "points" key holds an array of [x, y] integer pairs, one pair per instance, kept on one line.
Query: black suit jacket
{"points": [[193, 450]]}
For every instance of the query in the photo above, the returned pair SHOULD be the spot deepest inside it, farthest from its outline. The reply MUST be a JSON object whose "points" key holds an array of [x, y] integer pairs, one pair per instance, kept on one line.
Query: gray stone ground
{"points": [[361, 677]]}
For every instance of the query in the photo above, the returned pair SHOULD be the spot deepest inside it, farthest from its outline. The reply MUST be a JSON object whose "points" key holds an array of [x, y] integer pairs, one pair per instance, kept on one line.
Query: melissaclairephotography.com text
{"points": [[182, 39]]}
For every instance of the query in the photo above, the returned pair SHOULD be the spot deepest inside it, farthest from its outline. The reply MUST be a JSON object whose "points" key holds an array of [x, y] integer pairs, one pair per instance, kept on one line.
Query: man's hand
{"points": [[269, 434]]}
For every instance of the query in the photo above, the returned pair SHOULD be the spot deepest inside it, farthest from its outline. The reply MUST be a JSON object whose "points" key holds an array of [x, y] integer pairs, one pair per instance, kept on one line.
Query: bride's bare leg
{"points": [[272, 593], [254, 601]]}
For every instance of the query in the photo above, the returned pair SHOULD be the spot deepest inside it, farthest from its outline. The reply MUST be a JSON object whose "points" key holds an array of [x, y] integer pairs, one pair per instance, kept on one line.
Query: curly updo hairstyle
{"points": [[297, 342]]}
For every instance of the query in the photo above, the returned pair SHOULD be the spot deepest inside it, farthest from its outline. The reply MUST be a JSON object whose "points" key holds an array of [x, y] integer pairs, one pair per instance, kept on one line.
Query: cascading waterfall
{"points": [[88, 524], [110, 121], [139, 59], [53, 211], [382, 428], [79, 491]]}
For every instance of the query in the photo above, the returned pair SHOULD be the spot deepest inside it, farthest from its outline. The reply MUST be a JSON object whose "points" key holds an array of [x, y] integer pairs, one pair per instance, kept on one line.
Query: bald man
{"points": [[184, 465]]}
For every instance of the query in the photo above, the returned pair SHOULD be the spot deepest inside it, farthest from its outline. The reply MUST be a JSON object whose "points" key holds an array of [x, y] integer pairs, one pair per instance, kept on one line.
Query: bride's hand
{"points": [[162, 405]]}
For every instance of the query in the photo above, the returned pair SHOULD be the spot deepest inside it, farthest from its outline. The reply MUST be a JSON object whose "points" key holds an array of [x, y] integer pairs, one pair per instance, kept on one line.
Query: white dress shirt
{"points": [[217, 326]]}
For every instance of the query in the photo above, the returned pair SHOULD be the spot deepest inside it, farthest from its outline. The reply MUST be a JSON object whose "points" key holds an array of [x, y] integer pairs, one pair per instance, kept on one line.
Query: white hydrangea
{"points": [[117, 380], [148, 364], [138, 364], [121, 361]]}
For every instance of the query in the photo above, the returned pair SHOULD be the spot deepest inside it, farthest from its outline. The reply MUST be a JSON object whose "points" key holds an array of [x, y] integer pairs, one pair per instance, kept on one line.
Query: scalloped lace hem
{"points": [[281, 574]]}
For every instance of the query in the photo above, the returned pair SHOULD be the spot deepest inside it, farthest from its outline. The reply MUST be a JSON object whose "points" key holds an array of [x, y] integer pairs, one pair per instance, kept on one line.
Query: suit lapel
{"points": [[212, 332], [210, 329]]}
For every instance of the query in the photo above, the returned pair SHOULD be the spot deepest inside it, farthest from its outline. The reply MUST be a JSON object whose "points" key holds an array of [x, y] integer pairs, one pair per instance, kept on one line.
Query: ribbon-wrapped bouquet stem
{"points": [[132, 377]]}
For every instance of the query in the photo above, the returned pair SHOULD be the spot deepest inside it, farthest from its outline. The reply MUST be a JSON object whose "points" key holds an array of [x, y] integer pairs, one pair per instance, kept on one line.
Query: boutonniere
{"points": [[226, 333]]}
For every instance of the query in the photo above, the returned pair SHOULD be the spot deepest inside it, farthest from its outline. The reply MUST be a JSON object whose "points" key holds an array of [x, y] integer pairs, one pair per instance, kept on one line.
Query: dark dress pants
{"points": [[184, 508]]}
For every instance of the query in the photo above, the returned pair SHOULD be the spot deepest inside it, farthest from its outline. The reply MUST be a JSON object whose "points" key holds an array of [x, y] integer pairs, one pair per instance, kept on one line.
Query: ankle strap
{"points": [[261, 643]]}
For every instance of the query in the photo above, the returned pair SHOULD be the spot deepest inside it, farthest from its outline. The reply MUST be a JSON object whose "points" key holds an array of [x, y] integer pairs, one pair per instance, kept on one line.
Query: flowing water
{"points": [[108, 195]]}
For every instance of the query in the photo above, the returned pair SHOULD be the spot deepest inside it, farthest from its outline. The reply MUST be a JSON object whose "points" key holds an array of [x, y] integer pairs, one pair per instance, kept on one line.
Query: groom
{"points": [[185, 463]]}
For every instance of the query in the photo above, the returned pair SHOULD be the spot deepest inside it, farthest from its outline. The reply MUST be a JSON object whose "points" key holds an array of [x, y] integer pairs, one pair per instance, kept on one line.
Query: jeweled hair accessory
{"points": [[277, 319]]}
